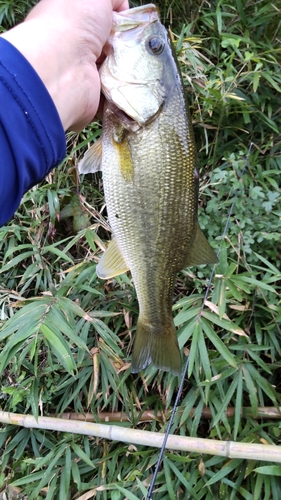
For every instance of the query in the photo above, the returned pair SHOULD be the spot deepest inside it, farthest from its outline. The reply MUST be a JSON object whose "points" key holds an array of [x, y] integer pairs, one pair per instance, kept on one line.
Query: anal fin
{"points": [[112, 262]]}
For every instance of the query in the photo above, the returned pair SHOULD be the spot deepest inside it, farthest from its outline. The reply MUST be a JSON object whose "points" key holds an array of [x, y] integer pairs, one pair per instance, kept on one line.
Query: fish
{"points": [[148, 158]]}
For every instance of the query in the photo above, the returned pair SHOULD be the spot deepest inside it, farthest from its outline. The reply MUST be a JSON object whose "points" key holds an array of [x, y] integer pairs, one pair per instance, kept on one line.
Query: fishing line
{"points": [[150, 491], [159, 461]]}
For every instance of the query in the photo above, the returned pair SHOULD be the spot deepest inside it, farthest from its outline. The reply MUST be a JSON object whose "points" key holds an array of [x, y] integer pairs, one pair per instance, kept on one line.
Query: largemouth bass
{"points": [[148, 158]]}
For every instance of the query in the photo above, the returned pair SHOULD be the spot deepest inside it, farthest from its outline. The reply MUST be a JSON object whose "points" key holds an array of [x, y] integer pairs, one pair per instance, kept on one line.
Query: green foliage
{"points": [[66, 337], [12, 12]]}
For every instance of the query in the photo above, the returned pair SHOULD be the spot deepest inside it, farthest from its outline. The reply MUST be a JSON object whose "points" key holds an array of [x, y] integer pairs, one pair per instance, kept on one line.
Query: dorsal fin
{"points": [[200, 251]]}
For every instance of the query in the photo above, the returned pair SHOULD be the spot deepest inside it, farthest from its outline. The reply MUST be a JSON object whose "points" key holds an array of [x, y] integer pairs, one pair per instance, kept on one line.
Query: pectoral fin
{"points": [[112, 262], [200, 251], [91, 163]]}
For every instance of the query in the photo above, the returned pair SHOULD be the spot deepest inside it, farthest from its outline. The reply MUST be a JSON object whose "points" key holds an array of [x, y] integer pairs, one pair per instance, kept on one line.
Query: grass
{"points": [[66, 336]]}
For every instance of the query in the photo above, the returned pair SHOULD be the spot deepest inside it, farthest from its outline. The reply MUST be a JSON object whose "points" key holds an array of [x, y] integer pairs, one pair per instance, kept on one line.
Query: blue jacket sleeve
{"points": [[32, 139]]}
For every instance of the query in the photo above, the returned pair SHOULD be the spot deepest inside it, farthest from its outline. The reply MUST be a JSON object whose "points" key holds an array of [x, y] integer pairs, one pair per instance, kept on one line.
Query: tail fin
{"points": [[156, 346]]}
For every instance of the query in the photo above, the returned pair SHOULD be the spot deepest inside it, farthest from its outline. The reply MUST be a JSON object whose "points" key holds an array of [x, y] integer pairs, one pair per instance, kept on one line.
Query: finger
{"points": [[119, 5]]}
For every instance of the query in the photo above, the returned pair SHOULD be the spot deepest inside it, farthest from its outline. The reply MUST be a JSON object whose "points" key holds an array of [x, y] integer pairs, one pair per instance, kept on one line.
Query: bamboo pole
{"points": [[149, 415], [228, 449]]}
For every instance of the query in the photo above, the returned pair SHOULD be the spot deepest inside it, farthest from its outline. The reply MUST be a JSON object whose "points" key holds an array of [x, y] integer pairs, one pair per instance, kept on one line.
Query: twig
{"points": [[228, 449], [148, 415]]}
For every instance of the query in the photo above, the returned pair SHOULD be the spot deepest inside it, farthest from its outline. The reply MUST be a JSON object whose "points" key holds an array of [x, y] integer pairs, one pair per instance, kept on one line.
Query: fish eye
{"points": [[156, 45]]}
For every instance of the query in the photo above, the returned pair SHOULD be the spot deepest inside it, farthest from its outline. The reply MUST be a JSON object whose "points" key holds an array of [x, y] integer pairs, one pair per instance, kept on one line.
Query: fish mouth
{"points": [[128, 122]]}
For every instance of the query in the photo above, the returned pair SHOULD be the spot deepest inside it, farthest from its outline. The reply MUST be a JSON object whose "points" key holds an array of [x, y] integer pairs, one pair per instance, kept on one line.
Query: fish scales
{"points": [[151, 213], [150, 178]]}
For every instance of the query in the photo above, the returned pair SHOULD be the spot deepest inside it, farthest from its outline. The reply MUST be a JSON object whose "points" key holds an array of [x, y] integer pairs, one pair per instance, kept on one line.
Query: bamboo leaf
{"points": [[75, 471], [217, 342], [223, 323], [187, 331], [16, 260], [269, 264], [262, 382], [127, 494], [269, 78], [224, 471], [34, 400], [57, 320], [49, 473], [56, 251], [251, 389], [238, 405], [182, 479], [222, 298], [204, 354], [52, 487], [65, 476], [82, 455], [168, 479], [30, 478], [30, 314], [256, 81], [60, 347], [196, 327], [186, 315], [227, 398], [219, 17], [241, 10], [269, 470], [257, 283]]}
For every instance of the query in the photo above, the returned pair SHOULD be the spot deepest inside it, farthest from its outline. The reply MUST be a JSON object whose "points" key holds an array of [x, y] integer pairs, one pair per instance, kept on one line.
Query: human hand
{"points": [[63, 40]]}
